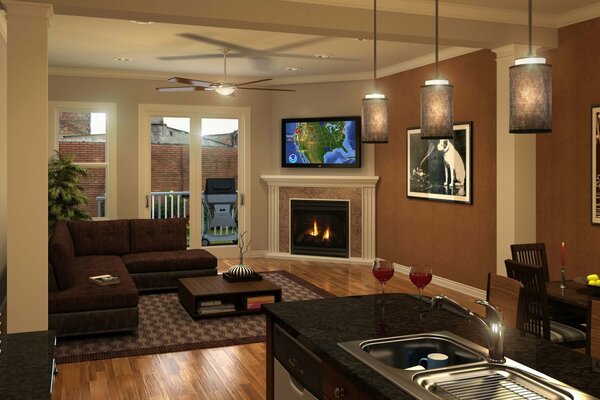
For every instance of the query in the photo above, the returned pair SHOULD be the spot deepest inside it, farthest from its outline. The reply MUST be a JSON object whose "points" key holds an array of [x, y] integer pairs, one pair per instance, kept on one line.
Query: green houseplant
{"points": [[64, 191]]}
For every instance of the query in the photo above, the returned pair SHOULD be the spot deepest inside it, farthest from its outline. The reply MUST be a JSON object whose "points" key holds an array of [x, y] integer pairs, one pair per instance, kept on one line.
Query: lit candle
{"points": [[562, 258]]}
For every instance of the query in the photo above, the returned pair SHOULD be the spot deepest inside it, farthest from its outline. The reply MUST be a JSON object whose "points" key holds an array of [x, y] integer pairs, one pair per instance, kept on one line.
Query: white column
{"points": [[515, 169], [273, 219], [27, 165]]}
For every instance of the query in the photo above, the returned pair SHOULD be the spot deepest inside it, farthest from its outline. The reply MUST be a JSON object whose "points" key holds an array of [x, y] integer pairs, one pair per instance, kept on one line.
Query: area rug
{"points": [[166, 327]]}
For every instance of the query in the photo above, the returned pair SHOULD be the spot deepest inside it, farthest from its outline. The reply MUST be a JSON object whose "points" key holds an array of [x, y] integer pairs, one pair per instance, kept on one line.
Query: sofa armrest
{"points": [[52, 285]]}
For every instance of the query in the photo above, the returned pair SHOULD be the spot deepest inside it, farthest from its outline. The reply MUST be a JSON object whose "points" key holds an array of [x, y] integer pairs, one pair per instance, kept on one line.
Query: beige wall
{"points": [[128, 93], [320, 100], [2, 166]]}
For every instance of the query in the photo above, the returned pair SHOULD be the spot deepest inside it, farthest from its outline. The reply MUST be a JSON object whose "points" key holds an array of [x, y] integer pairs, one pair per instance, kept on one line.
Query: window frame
{"points": [[110, 151]]}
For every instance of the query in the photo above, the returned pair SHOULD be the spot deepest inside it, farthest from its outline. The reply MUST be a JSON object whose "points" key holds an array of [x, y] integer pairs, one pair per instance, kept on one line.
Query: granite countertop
{"points": [[321, 324]]}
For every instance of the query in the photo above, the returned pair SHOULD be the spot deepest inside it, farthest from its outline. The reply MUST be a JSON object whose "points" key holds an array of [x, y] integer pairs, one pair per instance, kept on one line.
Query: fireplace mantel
{"points": [[320, 180], [358, 189]]}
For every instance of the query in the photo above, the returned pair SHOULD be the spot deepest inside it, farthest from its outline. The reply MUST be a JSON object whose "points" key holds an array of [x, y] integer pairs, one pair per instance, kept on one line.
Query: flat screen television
{"points": [[329, 142]]}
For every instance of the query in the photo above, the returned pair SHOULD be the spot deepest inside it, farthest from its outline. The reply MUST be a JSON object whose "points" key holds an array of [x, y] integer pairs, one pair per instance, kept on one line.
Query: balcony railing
{"points": [[169, 205]]}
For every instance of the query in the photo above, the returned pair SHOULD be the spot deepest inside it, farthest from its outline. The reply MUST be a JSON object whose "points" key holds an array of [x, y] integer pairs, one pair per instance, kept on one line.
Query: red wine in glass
{"points": [[420, 276], [383, 270]]}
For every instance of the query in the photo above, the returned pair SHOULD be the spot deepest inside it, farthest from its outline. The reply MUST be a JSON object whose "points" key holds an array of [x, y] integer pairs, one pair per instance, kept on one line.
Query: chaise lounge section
{"points": [[145, 254]]}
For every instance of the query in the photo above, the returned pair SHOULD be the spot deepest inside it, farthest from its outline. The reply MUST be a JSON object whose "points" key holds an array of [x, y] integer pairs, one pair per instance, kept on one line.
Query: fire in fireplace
{"points": [[319, 227]]}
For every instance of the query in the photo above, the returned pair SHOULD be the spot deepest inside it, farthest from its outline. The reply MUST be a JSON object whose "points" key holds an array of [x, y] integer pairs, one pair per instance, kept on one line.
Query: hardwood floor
{"points": [[235, 372]]}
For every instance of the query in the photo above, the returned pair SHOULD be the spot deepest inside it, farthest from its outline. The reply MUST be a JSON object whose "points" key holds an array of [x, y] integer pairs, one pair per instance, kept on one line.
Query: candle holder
{"points": [[563, 280]]}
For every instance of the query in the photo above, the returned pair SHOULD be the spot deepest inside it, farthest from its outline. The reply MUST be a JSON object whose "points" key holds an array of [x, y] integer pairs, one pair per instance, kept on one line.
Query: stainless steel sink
{"points": [[404, 352], [469, 375]]}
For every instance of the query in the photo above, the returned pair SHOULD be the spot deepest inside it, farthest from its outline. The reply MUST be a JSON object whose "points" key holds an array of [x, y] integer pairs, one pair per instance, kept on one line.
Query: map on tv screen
{"points": [[320, 142]]}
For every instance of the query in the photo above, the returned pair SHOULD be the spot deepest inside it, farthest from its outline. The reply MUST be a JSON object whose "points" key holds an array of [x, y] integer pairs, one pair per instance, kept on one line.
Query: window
{"points": [[87, 133]]}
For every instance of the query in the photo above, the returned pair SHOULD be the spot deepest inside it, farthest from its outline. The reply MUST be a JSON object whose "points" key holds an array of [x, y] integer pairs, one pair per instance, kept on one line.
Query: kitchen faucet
{"points": [[493, 328]]}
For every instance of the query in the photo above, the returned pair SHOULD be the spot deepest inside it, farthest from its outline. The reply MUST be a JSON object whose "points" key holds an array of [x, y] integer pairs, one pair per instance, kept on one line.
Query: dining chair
{"points": [[505, 293], [532, 254], [535, 315], [593, 326]]}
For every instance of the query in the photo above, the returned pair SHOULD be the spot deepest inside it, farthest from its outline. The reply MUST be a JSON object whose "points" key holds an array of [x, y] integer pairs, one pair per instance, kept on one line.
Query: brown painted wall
{"points": [[458, 241], [564, 156]]}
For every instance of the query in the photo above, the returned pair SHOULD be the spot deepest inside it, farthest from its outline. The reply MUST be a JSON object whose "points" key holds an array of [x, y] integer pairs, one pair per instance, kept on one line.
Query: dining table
{"points": [[571, 303]]}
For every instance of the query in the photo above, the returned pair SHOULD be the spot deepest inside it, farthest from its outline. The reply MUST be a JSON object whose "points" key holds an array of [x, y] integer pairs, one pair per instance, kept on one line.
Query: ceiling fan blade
{"points": [[260, 80], [195, 57], [187, 81], [297, 44], [220, 43], [272, 89], [180, 89]]}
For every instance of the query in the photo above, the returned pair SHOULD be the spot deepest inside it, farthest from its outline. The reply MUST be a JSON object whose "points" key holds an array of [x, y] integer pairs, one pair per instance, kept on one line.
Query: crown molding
{"points": [[444, 54], [3, 26], [578, 15], [460, 11]]}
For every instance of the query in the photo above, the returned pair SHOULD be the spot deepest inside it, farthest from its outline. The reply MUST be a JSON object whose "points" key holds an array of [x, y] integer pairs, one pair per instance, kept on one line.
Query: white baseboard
{"points": [[338, 260], [256, 254], [447, 283]]}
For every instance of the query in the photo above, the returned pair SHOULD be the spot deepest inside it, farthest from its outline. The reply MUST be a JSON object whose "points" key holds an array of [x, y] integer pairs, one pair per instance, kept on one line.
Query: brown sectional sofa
{"points": [[144, 254]]}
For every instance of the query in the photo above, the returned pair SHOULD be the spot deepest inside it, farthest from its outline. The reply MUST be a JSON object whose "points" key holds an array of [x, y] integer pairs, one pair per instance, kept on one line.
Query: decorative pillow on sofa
{"points": [[96, 238], [158, 234], [62, 256]]}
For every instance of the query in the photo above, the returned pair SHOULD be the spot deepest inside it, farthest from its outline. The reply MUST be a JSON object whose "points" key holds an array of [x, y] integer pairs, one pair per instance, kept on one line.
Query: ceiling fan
{"points": [[223, 87]]}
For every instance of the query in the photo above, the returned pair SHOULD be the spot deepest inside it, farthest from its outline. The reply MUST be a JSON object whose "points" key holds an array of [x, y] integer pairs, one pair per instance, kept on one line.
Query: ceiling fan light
{"points": [[374, 119], [437, 110], [225, 90], [530, 93]]}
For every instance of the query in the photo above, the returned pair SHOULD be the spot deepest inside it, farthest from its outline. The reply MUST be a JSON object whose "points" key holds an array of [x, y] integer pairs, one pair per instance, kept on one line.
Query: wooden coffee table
{"points": [[192, 291]]}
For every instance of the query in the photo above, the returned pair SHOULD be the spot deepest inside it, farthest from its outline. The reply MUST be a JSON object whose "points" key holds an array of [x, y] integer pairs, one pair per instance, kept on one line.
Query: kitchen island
{"points": [[319, 325]]}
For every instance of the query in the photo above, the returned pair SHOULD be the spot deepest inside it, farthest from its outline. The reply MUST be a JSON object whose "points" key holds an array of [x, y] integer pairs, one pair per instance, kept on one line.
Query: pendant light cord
{"points": [[437, 75], [374, 46], [530, 26]]}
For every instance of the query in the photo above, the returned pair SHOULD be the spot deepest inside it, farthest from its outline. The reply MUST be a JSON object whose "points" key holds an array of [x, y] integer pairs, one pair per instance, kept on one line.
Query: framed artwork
{"points": [[440, 170], [595, 164]]}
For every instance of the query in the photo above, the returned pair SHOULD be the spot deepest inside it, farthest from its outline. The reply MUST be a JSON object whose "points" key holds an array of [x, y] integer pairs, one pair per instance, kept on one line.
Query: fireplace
{"points": [[319, 228]]}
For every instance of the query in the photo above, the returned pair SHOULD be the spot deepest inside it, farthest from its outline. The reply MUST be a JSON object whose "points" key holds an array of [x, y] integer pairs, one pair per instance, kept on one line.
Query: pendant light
{"points": [[530, 87], [374, 105], [436, 100]]}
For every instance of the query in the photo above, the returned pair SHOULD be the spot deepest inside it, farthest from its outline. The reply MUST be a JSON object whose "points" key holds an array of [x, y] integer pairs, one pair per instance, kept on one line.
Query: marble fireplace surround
{"points": [[359, 191]]}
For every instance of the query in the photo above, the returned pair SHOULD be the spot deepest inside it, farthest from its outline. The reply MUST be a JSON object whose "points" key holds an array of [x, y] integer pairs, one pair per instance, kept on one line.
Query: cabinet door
{"points": [[336, 386]]}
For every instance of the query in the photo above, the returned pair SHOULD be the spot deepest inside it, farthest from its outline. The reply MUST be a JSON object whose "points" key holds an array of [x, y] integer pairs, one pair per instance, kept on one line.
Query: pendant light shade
{"points": [[530, 91], [374, 105], [436, 110], [436, 100], [374, 119]]}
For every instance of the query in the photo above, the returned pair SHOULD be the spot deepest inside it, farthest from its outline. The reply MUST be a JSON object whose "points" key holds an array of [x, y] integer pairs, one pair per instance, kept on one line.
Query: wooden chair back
{"points": [[532, 254], [536, 319], [505, 293], [593, 326]]}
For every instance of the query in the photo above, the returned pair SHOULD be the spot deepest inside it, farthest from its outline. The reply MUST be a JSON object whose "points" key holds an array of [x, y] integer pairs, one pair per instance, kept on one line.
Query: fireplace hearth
{"points": [[320, 228]]}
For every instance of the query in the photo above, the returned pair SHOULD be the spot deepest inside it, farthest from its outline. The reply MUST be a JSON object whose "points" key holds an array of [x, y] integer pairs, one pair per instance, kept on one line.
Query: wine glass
{"points": [[383, 270], [420, 275]]}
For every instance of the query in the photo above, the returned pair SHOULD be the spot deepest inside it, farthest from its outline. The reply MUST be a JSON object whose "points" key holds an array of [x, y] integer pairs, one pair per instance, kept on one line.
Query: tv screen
{"points": [[332, 142]]}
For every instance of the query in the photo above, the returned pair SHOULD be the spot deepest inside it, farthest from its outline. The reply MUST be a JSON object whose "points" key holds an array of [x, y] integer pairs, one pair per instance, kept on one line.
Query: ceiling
{"points": [[80, 44]]}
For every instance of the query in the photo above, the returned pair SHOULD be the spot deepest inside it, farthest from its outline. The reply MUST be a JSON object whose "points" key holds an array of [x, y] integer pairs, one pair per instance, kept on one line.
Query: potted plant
{"points": [[64, 192]]}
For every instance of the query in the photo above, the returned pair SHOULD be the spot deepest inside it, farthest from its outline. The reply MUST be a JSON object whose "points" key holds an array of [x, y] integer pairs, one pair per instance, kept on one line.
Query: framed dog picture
{"points": [[595, 164], [440, 170]]}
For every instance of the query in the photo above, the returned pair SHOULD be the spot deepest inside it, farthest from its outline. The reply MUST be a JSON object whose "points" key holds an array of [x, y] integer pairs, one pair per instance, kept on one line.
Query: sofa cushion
{"points": [[157, 234], [62, 256], [86, 296], [178, 260], [100, 237]]}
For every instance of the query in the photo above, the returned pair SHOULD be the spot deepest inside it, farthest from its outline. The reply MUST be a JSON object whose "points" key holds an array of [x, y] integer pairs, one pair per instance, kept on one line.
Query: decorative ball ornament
{"points": [[240, 271]]}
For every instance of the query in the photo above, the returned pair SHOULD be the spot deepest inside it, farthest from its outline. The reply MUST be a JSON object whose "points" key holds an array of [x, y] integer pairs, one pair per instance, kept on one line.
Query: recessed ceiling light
{"points": [[135, 21], [293, 69], [360, 39], [125, 59], [324, 56]]}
